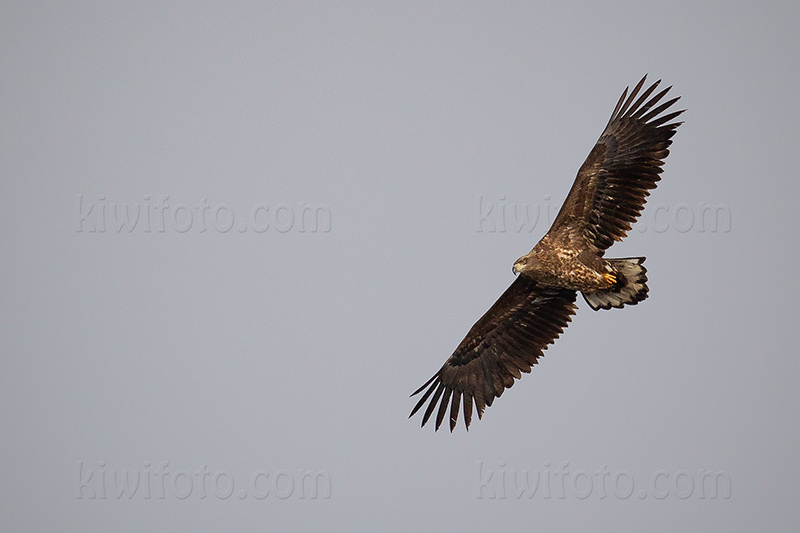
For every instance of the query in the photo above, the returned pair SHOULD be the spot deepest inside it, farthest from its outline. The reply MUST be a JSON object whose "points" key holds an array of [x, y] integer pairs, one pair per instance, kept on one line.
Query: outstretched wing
{"points": [[613, 183], [507, 340]]}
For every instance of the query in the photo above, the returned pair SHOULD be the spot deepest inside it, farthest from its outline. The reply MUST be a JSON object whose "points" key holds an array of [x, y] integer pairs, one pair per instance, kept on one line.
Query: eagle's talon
{"points": [[610, 278]]}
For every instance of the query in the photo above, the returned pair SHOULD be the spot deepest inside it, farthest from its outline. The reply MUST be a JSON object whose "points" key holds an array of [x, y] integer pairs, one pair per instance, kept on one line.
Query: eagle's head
{"points": [[526, 263]]}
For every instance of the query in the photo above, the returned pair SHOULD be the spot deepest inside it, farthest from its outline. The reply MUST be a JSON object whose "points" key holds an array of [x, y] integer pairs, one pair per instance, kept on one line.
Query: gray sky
{"points": [[235, 239]]}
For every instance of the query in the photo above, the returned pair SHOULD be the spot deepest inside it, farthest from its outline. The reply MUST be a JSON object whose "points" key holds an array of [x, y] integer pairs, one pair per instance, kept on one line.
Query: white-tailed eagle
{"points": [[607, 197]]}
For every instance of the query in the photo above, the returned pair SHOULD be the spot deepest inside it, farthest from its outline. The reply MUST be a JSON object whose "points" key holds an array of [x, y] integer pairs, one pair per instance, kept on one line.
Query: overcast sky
{"points": [[236, 238]]}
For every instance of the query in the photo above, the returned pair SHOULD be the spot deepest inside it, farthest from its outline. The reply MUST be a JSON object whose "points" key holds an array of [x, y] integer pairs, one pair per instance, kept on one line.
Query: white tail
{"points": [[630, 288]]}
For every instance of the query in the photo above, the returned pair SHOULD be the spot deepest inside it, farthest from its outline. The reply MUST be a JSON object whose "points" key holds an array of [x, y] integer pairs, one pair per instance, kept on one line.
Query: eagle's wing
{"points": [[613, 183], [507, 340]]}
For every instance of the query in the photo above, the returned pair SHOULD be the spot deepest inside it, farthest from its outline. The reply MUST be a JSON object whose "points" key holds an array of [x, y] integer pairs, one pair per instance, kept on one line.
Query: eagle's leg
{"points": [[627, 285]]}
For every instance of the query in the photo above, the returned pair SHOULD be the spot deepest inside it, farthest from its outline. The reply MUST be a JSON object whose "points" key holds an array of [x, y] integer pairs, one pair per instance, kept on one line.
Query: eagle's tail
{"points": [[630, 288]]}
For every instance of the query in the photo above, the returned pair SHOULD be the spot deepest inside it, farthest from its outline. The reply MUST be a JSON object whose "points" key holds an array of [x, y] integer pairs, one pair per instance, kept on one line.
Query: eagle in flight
{"points": [[607, 197]]}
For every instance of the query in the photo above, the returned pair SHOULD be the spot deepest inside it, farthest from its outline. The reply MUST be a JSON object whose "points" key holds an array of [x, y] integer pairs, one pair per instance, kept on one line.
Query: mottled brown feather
{"points": [[505, 342], [612, 185]]}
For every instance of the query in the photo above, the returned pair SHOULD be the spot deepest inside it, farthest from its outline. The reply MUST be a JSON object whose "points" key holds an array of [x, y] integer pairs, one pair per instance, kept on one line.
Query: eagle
{"points": [[607, 197]]}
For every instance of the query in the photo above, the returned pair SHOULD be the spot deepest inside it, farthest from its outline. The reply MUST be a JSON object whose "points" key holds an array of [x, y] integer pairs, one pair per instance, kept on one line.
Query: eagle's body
{"points": [[565, 261], [606, 198]]}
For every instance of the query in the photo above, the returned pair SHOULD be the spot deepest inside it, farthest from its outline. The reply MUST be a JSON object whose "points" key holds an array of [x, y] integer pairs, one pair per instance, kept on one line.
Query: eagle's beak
{"points": [[516, 269]]}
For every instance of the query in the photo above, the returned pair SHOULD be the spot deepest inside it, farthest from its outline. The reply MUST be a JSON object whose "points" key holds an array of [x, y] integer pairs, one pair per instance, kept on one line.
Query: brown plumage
{"points": [[606, 198]]}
